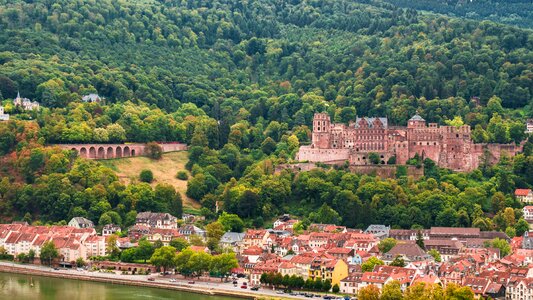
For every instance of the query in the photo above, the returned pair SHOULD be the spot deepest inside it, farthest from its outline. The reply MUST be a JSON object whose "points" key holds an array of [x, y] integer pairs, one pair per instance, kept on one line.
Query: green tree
{"points": [[435, 254], [325, 215], [164, 257], [391, 291], [374, 158], [502, 245], [144, 250], [128, 255], [111, 247], [268, 146], [368, 266], [222, 264], [326, 285], [385, 245], [521, 227], [179, 244], [80, 262], [49, 252], [420, 240], [199, 263], [231, 222], [456, 122], [116, 133], [369, 292], [398, 262]]}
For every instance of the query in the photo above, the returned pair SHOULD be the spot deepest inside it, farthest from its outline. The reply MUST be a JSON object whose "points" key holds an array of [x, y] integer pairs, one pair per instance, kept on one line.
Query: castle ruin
{"points": [[448, 146]]}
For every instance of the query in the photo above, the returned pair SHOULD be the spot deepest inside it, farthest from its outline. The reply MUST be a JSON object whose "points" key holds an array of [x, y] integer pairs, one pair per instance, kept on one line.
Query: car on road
{"points": [[255, 288], [56, 268], [192, 282], [279, 292], [151, 279], [244, 286], [172, 280]]}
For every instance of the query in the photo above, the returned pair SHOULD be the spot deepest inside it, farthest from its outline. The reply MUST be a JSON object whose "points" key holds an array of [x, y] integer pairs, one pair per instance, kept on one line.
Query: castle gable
{"points": [[371, 122]]}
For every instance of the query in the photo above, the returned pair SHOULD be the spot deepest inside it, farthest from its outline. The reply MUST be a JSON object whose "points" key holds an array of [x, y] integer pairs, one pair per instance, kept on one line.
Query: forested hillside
{"points": [[514, 12], [239, 82]]}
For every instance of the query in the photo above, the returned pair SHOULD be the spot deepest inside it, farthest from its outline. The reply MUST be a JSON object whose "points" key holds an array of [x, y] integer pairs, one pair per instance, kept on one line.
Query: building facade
{"points": [[3, 116], [448, 146]]}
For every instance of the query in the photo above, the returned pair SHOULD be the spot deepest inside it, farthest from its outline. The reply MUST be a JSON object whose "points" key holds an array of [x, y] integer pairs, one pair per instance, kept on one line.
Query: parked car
{"points": [[191, 282], [279, 292], [255, 288], [244, 286], [172, 280], [151, 279], [56, 268]]}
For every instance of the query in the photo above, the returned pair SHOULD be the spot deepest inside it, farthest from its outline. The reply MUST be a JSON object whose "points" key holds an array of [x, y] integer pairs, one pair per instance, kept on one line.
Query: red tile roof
{"points": [[522, 192]]}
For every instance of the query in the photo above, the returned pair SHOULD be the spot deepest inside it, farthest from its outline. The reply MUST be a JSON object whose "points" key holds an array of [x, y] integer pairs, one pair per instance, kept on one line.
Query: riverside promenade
{"points": [[206, 288]]}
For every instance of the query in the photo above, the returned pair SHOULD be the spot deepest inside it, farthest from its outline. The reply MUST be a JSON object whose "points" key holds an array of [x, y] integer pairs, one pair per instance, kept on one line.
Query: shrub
{"points": [[146, 176], [153, 150], [374, 158], [182, 175]]}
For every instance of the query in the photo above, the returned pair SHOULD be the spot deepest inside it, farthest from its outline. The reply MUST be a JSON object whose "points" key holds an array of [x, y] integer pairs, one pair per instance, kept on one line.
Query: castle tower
{"points": [[321, 131], [416, 122]]}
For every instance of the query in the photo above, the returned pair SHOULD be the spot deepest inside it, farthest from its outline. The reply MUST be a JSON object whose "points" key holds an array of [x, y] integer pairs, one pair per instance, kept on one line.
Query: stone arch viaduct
{"points": [[108, 151]]}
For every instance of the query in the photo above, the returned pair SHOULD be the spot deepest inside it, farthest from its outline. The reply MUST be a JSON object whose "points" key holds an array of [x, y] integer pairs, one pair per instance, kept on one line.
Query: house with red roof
{"points": [[351, 283], [255, 237], [524, 195]]}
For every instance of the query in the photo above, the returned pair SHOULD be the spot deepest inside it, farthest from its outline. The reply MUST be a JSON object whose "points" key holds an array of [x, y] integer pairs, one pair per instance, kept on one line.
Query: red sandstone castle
{"points": [[450, 147]]}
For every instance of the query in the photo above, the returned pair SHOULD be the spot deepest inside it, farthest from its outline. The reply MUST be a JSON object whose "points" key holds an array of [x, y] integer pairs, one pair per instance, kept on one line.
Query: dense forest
{"points": [[239, 82], [513, 12]]}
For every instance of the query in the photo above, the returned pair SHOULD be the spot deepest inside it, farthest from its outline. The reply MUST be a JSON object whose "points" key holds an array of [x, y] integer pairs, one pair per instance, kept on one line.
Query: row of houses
{"points": [[328, 251], [72, 243]]}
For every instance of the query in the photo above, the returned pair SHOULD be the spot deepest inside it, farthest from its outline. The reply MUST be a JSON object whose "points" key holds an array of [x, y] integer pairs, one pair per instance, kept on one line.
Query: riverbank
{"points": [[121, 281], [212, 290]]}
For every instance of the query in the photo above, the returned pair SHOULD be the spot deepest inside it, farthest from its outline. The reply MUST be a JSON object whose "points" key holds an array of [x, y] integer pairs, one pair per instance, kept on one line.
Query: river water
{"points": [[17, 287]]}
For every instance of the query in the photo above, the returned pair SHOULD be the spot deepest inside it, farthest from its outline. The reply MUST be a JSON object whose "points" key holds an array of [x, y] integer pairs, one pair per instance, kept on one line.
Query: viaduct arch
{"points": [[109, 151]]}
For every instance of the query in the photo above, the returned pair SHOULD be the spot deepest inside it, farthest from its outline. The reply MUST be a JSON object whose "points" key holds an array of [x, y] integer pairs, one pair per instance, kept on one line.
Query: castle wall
{"points": [[307, 153], [109, 151], [387, 171], [381, 171]]}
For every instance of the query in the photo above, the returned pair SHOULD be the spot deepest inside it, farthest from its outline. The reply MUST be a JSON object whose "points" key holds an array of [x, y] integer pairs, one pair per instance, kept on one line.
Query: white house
{"points": [[528, 212], [80, 222], [3, 116]]}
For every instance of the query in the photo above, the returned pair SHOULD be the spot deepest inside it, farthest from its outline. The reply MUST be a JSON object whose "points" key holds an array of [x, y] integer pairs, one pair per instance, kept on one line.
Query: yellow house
{"points": [[333, 269]]}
